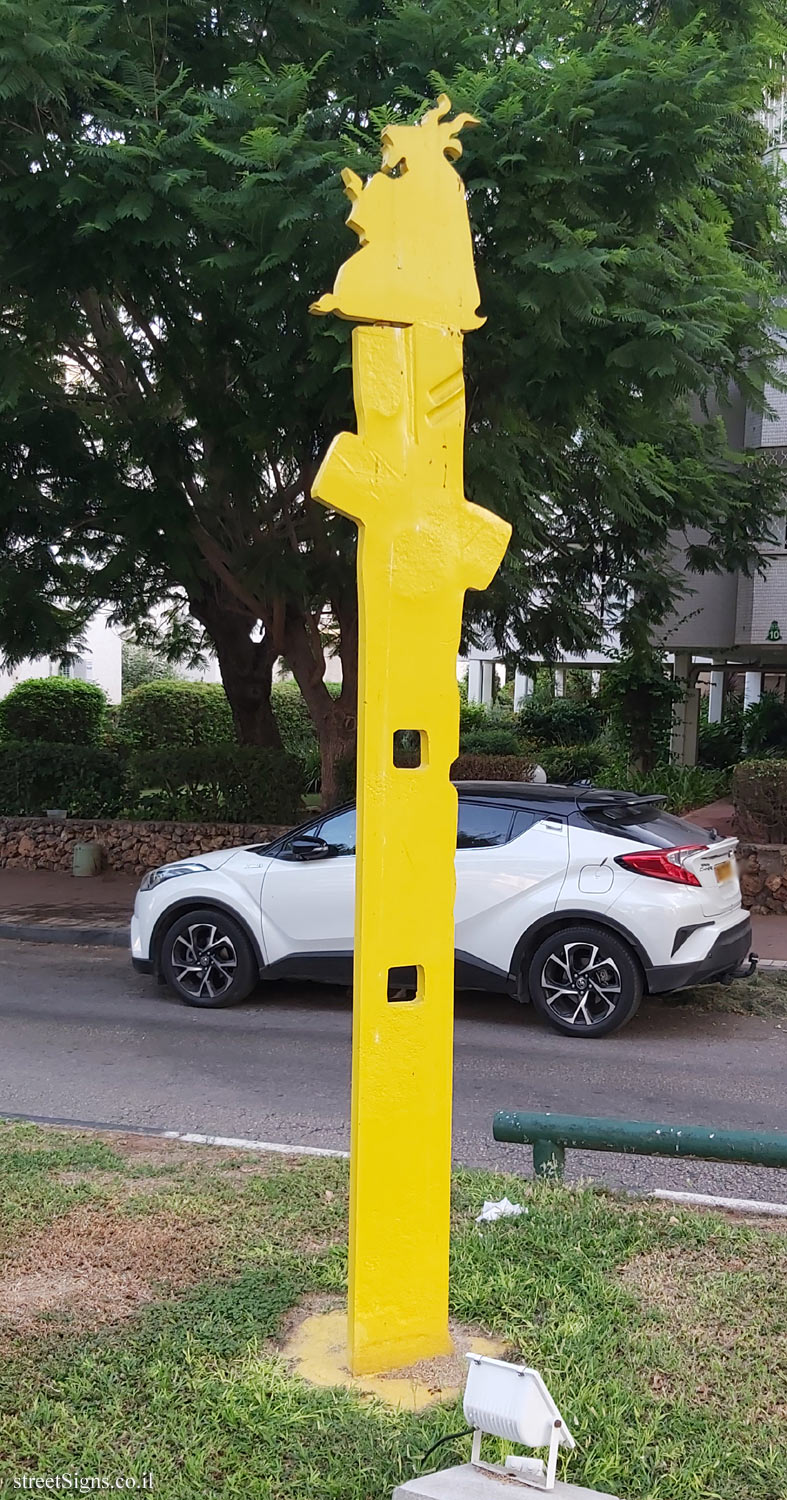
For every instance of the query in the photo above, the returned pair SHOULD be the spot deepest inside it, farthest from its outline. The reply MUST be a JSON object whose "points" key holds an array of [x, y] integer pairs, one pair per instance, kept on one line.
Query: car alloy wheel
{"points": [[585, 980], [207, 958], [204, 961], [581, 984]]}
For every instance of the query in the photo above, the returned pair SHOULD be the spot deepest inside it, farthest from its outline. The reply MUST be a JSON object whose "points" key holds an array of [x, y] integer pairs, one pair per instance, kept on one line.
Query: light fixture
{"points": [[511, 1401]]}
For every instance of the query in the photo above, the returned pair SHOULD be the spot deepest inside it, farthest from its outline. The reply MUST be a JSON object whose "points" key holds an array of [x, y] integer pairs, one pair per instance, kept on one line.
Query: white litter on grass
{"points": [[502, 1209]]}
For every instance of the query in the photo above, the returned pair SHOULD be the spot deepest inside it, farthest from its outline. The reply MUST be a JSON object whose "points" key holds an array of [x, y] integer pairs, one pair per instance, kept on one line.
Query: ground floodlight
{"points": [[511, 1401]]}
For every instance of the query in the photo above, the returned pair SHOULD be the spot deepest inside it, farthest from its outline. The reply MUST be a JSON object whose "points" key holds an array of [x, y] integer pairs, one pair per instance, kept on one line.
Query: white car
{"points": [[577, 899]]}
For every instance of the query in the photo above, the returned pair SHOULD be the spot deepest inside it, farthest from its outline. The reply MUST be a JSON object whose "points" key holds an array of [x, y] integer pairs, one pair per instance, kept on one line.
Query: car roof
{"points": [[557, 798]]}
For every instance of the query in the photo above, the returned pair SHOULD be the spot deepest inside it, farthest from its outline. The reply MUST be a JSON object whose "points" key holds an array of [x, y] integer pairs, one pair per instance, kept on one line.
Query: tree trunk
{"points": [[335, 719], [246, 666]]}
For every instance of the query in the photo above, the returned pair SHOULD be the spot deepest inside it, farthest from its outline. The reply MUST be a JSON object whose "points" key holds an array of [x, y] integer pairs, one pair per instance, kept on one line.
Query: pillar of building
{"points": [[685, 714], [474, 682], [487, 682], [716, 697], [560, 682], [523, 688], [752, 689]]}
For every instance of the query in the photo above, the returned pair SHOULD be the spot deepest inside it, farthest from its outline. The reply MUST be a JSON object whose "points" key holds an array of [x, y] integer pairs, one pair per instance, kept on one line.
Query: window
{"points": [[523, 820], [482, 825], [339, 832]]}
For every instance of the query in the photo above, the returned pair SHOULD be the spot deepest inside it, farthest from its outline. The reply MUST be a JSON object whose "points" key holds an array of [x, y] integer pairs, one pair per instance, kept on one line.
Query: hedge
{"points": [[215, 783], [53, 711], [562, 721], [85, 780], [493, 768], [759, 791], [491, 740], [568, 763], [175, 715]]}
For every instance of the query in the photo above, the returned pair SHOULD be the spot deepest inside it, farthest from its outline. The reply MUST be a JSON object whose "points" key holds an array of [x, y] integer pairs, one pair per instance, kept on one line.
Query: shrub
{"points": [[175, 715], [765, 727], [567, 763], [140, 664], [85, 780], [472, 716], [561, 721], [215, 783], [684, 787], [53, 711], [490, 740], [492, 768], [719, 745], [298, 734], [759, 791]]}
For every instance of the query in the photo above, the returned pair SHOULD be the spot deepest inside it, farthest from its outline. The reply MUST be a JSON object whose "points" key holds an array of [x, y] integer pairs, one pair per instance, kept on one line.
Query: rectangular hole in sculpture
{"points": [[406, 982], [409, 749]]}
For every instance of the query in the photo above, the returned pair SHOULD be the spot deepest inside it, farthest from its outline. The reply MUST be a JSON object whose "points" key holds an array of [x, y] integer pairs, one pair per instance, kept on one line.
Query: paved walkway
{"points": [[73, 909], [51, 906]]}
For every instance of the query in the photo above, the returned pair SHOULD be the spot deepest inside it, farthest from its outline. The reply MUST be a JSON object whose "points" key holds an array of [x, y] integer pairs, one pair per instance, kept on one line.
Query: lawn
{"points": [[146, 1286]]}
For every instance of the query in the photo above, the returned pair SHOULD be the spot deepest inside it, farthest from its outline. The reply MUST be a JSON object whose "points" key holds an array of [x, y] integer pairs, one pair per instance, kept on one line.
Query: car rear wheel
{"points": [[207, 959], [585, 981]]}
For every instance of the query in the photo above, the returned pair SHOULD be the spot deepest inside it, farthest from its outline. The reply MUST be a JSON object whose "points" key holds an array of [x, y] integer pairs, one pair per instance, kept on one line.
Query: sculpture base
{"points": [[317, 1350], [467, 1483]]}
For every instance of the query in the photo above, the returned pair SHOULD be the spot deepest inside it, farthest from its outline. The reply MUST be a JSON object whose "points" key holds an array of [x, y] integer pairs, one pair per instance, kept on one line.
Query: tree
{"points": [[170, 208]]}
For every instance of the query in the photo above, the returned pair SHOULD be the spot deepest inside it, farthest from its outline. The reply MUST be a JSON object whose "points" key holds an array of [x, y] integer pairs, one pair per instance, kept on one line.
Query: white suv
{"points": [[576, 899]]}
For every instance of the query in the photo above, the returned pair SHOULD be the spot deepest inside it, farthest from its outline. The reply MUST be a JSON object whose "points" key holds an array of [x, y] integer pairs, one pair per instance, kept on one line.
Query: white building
{"points": [[99, 662]]}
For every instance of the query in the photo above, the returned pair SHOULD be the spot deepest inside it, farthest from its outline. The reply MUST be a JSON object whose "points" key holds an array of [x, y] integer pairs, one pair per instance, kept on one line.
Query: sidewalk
{"points": [[52, 906], [46, 906]]}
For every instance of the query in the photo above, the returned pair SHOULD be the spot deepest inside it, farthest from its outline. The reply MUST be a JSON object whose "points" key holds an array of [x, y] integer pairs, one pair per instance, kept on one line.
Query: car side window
{"points": [[482, 825], [523, 820], [339, 831]]}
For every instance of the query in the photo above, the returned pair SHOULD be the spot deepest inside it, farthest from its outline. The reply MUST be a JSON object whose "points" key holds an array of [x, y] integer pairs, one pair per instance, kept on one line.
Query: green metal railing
{"points": [[552, 1135]]}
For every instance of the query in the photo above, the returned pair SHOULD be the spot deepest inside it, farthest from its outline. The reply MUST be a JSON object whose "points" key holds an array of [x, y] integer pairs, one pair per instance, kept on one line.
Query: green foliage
{"points": [[472, 716], [491, 740], [164, 393], [141, 664], [759, 791], [175, 715], [84, 780], [567, 763], [215, 783], [684, 787], [765, 727], [297, 731], [559, 721], [58, 710], [638, 696], [719, 745]]}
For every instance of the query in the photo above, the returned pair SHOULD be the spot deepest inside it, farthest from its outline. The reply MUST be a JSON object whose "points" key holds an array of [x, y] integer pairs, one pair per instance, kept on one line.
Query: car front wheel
{"points": [[207, 959], [585, 981]]}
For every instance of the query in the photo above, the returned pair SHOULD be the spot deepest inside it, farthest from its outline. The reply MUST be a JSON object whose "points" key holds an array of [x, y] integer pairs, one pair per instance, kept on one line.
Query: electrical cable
{"points": [[448, 1438]]}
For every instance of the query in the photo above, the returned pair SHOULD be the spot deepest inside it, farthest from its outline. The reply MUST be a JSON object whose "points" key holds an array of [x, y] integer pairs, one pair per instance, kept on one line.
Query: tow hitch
{"points": [[744, 970]]}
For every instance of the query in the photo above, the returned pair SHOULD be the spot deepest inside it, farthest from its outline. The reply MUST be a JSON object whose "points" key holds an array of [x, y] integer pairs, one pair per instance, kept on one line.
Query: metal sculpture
{"points": [[411, 288]]}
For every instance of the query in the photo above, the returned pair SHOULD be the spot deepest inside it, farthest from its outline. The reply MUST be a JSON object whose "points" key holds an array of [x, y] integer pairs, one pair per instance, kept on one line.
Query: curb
{"points": [[90, 937]]}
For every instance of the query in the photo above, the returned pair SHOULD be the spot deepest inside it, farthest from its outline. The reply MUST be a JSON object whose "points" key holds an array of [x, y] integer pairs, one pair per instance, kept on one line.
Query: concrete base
{"points": [[467, 1483]]}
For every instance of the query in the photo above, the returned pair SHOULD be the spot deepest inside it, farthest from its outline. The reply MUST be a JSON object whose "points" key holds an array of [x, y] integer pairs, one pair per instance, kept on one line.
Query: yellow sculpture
{"points": [[422, 544]]}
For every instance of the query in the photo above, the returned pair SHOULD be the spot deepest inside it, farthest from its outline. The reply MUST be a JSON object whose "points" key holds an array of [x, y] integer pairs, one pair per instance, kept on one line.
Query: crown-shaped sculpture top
{"points": [[415, 264]]}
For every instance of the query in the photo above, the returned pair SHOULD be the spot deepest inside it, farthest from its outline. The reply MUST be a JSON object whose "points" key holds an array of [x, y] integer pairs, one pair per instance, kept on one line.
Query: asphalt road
{"points": [[84, 1038]]}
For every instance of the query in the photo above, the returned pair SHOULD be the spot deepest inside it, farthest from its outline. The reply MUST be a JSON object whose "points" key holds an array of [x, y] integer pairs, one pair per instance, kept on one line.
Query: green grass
{"points": [[663, 1334], [765, 994]]}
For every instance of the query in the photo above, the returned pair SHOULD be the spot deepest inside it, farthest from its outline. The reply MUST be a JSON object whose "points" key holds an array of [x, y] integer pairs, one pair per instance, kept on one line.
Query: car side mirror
{"points": [[308, 846]]}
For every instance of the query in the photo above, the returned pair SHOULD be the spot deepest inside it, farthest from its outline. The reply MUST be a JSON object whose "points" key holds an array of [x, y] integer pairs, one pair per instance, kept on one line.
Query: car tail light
{"points": [[663, 864]]}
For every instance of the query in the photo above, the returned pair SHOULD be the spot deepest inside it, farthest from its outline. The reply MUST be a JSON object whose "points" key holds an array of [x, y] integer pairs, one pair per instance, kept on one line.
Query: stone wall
{"points": [[763, 872], [48, 843]]}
